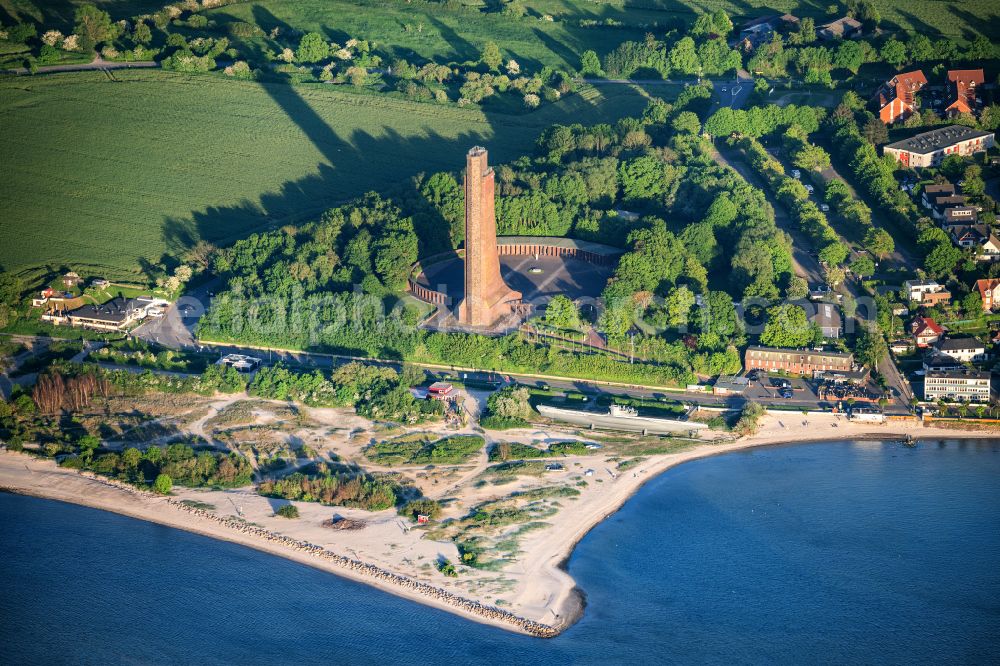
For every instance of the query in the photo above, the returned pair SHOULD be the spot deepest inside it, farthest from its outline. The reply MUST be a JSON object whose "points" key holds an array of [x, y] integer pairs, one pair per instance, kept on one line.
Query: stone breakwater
{"points": [[355, 566]]}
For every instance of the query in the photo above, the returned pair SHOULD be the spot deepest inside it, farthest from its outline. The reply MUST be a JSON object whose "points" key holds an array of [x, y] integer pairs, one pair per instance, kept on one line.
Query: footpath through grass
{"points": [[104, 175]]}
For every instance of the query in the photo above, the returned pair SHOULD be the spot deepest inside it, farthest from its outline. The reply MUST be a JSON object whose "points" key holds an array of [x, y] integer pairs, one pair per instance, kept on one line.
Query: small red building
{"points": [[439, 390]]}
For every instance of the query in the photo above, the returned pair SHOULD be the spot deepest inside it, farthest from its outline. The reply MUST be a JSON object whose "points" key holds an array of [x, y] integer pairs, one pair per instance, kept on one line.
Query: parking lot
{"points": [[797, 391]]}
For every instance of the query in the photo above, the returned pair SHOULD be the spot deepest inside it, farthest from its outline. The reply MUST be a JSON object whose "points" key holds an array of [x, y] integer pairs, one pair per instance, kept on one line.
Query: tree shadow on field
{"points": [[570, 57], [986, 26], [353, 163], [464, 49]]}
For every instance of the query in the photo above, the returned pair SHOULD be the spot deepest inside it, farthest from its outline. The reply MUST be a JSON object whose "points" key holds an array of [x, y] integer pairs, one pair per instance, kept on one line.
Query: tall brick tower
{"points": [[487, 297]]}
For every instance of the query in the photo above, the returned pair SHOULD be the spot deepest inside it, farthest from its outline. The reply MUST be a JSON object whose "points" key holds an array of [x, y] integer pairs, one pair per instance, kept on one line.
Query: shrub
{"points": [[423, 506], [447, 568], [287, 511], [355, 490], [163, 484]]}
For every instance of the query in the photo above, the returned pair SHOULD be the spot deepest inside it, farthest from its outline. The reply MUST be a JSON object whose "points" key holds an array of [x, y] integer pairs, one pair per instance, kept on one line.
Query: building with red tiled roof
{"points": [[989, 290], [896, 99], [963, 84], [925, 331]]}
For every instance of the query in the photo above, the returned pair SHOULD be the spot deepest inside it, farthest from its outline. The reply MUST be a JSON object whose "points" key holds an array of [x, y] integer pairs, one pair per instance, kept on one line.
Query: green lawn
{"points": [[430, 30], [101, 176]]}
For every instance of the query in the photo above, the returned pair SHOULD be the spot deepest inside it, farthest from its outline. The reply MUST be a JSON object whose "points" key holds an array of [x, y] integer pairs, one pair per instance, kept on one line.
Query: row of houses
{"points": [[960, 220], [930, 293], [897, 99], [947, 374]]}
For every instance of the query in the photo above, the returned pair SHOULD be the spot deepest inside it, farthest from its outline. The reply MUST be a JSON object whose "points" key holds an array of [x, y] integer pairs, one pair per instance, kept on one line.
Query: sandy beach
{"points": [[539, 597]]}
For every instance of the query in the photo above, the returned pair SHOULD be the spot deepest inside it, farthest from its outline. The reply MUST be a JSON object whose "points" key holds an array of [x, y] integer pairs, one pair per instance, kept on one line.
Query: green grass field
{"points": [[961, 19], [422, 30], [100, 176]]}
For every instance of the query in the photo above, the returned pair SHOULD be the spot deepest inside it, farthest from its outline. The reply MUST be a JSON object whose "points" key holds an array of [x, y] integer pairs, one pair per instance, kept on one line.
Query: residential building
{"points": [[972, 235], [796, 361], [966, 385], [941, 205], [71, 280], [932, 192], [989, 291], [990, 249], [782, 23], [753, 36], [929, 148], [788, 22], [828, 319], [959, 215], [965, 349], [926, 292], [896, 99], [730, 385], [979, 237], [937, 361], [115, 315], [901, 346], [925, 331], [963, 86], [842, 28], [753, 24]]}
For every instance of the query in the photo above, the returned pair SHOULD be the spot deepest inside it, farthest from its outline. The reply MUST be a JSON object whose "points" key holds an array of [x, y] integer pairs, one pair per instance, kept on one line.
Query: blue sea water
{"points": [[824, 553]]}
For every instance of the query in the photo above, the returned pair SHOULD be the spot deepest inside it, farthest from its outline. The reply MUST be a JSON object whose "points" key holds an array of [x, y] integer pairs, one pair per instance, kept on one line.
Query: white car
{"points": [[824, 207], [796, 174], [810, 189]]}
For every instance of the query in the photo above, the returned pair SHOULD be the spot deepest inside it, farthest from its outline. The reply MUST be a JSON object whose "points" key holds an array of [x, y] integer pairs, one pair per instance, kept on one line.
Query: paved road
{"points": [[901, 257], [805, 265], [808, 267]]}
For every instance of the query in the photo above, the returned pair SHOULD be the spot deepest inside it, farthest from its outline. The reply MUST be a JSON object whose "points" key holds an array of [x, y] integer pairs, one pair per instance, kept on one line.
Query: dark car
{"points": [[786, 393], [753, 375]]}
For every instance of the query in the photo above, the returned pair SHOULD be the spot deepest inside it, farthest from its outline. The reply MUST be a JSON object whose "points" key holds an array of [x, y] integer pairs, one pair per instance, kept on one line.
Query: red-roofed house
{"points": [[964, 83], [896, 99], [925, 331], [989, 290]]}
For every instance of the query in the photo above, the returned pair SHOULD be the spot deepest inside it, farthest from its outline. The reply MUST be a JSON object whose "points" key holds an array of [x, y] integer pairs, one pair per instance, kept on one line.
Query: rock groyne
{"points": [[351, 565]]}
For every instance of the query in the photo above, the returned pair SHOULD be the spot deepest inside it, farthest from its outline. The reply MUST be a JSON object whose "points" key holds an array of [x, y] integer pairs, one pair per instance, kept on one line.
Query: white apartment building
{"points": [[964, 385]]}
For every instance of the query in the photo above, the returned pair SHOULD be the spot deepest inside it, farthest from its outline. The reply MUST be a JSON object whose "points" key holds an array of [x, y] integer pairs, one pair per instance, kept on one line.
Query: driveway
{"points": [[176, 328]]}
